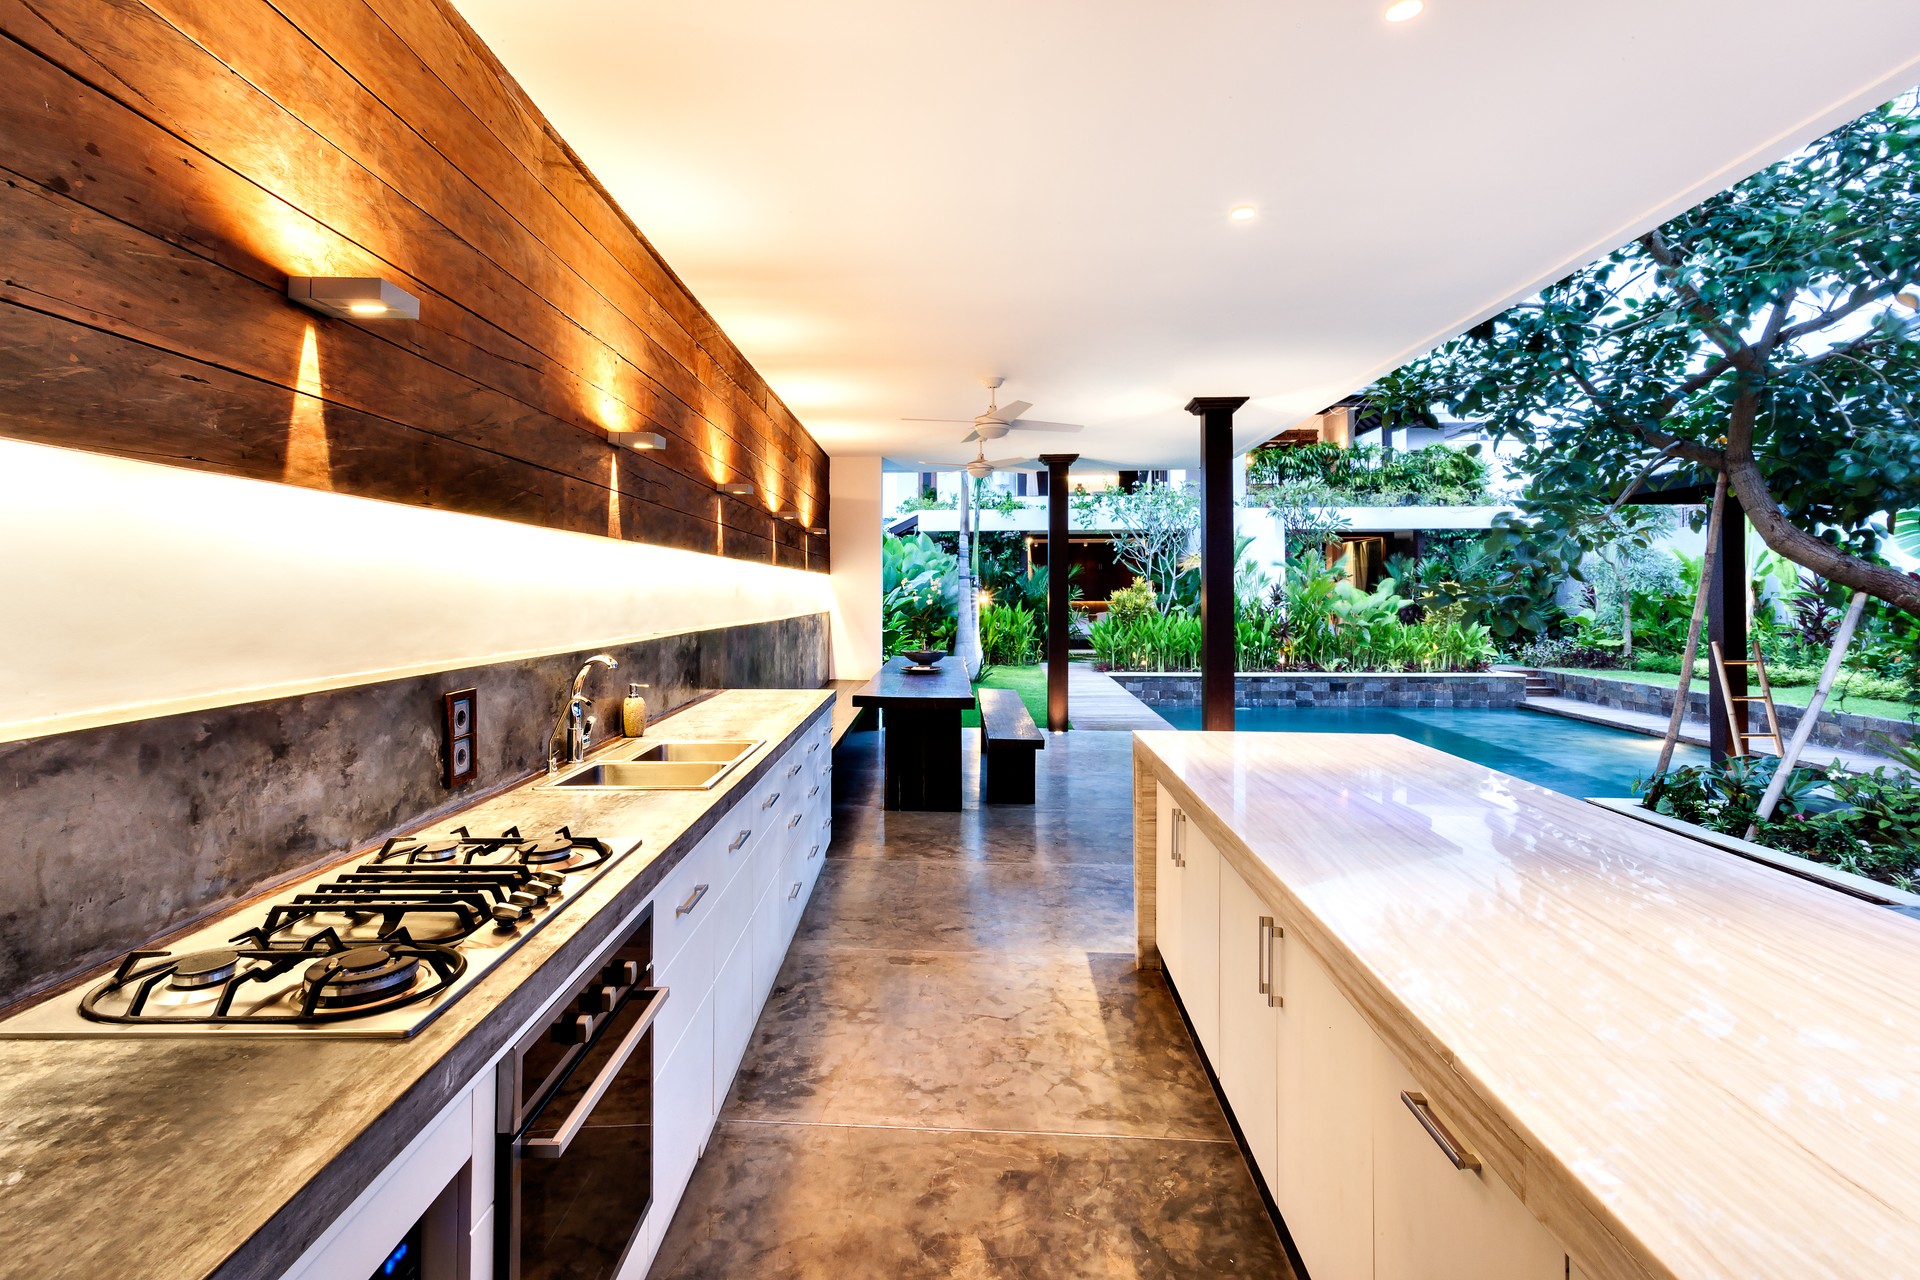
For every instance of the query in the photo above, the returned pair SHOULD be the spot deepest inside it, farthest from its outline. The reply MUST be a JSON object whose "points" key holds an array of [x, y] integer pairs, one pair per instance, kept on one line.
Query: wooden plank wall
{"points": [[168, 164]]}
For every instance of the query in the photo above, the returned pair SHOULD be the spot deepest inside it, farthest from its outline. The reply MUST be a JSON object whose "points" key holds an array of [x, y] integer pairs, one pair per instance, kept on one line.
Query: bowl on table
{"points": [[924, 660]]}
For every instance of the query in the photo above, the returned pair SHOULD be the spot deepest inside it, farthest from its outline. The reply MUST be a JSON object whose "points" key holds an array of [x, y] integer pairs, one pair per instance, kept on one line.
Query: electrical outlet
{"points": [[459, 722]]}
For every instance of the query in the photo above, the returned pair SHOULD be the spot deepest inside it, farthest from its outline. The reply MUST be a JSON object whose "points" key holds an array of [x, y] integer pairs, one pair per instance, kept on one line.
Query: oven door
{"points": [[581, 1168]]}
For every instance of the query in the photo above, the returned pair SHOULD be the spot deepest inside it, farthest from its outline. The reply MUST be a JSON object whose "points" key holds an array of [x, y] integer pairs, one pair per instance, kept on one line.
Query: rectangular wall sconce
{"points": [[354, 297], [644, 441], [818, 532], [786, 515], [738, 488]]}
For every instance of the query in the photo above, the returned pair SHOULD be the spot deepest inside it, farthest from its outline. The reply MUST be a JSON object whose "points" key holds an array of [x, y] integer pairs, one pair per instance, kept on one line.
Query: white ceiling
{"points": [[881, 200]]}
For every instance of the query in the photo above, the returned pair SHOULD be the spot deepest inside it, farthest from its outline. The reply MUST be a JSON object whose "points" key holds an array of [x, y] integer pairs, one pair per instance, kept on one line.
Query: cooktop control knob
{"points": [[510, 913]]}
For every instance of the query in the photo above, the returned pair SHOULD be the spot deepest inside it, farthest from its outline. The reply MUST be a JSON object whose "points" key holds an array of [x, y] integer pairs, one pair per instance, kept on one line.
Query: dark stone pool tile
{"points": [[781, 1202]]}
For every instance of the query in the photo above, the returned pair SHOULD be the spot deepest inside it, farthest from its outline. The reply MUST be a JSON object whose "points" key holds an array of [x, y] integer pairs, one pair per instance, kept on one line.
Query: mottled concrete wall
{"points": [[119, 834], [1328, 689], [1842, 730]]}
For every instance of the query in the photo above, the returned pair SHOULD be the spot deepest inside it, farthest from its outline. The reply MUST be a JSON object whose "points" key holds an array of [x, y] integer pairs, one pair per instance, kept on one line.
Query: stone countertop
{"points": [[226, 1157], [1684, 1063]]}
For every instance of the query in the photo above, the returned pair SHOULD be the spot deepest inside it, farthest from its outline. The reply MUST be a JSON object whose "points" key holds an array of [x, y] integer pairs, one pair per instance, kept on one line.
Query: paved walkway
{"points": [[960, 1073], [1693, 732], [1095, 700]]}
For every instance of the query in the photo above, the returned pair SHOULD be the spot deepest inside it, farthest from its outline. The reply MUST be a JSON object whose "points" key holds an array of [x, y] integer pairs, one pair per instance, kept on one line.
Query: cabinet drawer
{"points": [[682, 1108], [679, 904], [687, 977]]}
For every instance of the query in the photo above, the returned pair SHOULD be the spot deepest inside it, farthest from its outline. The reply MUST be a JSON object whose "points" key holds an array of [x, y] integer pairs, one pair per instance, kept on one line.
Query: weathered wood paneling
{"points": [[168, 164]]}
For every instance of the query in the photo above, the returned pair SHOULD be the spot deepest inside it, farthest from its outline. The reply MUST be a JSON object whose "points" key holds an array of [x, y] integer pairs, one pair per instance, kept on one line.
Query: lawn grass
{"points": [[1796, 695], [1029, 682]]}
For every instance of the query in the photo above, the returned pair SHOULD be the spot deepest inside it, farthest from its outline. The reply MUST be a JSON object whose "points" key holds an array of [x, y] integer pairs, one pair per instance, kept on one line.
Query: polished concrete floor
{"points": [[959, 1073]]}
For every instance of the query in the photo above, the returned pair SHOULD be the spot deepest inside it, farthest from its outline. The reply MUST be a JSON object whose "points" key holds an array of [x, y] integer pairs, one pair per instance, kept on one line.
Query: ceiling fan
{"points": [[998, 419], [981, 467]]}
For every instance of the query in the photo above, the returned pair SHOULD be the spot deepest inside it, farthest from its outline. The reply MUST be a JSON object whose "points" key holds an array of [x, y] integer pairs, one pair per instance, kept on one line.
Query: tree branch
{"points": [[1710, 323], [1863, 296], [1896, 588]]}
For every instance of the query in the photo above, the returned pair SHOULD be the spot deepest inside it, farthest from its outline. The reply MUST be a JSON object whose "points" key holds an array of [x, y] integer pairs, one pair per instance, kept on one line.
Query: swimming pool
{"points": [[1569, 756]]}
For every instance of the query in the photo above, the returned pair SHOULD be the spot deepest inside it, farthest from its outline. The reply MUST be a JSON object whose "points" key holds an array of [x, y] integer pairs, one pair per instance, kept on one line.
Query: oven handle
{"points": [[556, 1146]]}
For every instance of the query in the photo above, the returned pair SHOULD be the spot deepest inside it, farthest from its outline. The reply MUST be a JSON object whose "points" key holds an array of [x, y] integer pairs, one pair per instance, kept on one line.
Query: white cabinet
{"points": [[1248, 1064], [1199, 976], [1166, 882], [1434, 1219], [683, 1107], [1325, 1167], [733, 1016]]}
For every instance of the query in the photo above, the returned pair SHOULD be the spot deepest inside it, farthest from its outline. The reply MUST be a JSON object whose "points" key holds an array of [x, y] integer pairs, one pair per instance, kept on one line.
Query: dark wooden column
{"points": [[1058, 554], [1217, 615], [1727, 627]]}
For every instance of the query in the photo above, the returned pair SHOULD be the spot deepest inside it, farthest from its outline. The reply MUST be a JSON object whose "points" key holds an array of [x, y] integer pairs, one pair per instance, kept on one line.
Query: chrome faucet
{"points": [[574, 728]]}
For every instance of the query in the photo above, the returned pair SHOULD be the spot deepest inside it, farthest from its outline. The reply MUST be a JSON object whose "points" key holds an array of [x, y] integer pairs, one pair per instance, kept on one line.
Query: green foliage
{"points": [[927, 500], [1866, 823], [1008, 635], [1130, 604], [1368, 476], [1153, 532], [1155, 642], [1756, 324], [919, 585]]}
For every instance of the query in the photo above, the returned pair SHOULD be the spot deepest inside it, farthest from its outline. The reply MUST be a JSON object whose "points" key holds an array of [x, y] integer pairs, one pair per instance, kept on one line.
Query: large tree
{"points": [[1761, 334]]}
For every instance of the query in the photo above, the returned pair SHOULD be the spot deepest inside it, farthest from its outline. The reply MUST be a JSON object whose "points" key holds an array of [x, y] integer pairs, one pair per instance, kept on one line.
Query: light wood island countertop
{"points": [[1686, 1064]]}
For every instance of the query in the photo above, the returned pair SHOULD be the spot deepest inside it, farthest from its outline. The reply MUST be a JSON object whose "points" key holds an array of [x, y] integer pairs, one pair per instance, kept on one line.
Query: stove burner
{"points": [[363, 975], [203, 970], [428, 851], [552, 849]]}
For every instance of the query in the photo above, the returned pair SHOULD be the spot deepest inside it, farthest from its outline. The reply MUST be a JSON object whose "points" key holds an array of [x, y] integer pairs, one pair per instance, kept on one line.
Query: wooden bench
{"points": [[1008, 739]]}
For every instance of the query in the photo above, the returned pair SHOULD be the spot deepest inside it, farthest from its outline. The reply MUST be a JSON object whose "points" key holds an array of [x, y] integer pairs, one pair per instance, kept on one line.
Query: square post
{"points": [[1727, 627], [1057, 557], [1217, 615]]}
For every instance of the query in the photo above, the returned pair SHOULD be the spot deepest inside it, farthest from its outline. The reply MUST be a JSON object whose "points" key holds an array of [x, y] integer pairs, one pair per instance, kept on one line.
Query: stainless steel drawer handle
{"points": [[813, 852], [793, 892], [794, 821], [693, 900], [739, 840], [796, 768], [1265, 958], [1276, 984], [813, 791], [770, 801], [1459, 1155], [1173, 839], [815, 747]]}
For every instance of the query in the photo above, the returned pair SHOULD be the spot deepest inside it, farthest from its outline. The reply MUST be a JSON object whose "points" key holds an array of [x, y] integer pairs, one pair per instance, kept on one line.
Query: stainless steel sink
{"points": [[661, 766]]}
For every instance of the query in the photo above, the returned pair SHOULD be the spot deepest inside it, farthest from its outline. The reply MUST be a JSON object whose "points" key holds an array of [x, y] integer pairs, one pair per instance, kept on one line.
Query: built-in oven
{"points": [[576, 1123]]}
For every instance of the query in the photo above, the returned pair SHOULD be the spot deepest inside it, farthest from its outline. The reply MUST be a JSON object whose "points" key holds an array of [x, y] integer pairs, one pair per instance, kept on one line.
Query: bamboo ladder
{"points": [[1737, 708]]}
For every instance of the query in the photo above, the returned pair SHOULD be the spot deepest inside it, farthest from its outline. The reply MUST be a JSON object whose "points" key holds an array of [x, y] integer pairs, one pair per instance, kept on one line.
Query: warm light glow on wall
{"points": [[613, 495], [309, 457]]}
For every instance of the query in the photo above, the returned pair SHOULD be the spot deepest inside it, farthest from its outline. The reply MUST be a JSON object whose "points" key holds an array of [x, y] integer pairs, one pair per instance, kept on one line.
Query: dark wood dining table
{"points": [[920, 713]]}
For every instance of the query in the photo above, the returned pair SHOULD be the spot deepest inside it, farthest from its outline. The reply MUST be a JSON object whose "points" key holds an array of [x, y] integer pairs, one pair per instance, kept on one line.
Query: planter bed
{"points": [[1792, 863], [1480, 690]]}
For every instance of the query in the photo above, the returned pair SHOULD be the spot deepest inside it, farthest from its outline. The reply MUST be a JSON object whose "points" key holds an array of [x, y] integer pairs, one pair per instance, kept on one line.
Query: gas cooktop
{"points": [[377, 947]]}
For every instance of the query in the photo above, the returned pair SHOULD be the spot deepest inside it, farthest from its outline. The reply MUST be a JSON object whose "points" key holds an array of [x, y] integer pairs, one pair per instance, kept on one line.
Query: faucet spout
{"points": [[573, 729]]}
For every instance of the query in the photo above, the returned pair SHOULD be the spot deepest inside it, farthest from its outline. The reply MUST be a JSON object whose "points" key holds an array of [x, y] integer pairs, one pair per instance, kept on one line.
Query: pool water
{"points": [[1569, 756]]}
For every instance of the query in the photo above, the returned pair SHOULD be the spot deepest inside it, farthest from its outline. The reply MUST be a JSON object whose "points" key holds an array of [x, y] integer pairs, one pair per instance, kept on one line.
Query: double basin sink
{"points": [[661, 766]]}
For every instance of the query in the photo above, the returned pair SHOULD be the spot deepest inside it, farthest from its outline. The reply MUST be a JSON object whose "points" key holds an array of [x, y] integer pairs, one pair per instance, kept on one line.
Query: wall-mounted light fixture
{"points": [[786, 515], [738, 488], [644, 441], [354, 297], [818, 532]]}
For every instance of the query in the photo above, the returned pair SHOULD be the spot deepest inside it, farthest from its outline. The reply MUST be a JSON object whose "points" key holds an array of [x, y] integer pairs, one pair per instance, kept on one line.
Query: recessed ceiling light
{"points": [[1401, 10], [1243, 213]]}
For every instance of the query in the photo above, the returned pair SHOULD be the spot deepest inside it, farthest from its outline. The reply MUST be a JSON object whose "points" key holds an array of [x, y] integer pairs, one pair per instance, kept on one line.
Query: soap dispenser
{"points": [[633, 712]]}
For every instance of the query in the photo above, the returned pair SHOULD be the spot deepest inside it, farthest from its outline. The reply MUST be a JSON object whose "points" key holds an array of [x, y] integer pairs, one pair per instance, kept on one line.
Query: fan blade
{"points": [[956, 421], [970, 437], [1009, 464], [1006, 412], [1031, 424]]}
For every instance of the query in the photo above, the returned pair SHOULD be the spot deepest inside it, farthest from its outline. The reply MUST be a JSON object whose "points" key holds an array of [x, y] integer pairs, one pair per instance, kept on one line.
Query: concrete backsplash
{"points": [[120, 834]]}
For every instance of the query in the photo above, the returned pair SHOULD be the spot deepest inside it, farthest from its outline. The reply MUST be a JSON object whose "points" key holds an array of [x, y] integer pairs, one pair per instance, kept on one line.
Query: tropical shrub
{"points": [[919, 585], [1865, 823], [1366, 475], [1008, 636], [1130, 604]]}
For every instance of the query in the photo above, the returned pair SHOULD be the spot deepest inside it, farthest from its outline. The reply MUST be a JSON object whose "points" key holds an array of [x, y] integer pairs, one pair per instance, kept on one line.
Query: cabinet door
{"points": [[1166, 882], [1325, 1167], [1199, 978], [1249, 1061], [733, 1016], [683, 1111], [769, 941], [1432, 1219]]}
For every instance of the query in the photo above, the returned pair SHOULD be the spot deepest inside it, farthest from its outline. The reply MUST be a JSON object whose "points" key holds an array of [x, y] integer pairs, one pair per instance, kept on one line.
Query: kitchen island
{"points": [[1474, 1028], [231, 1156]]}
